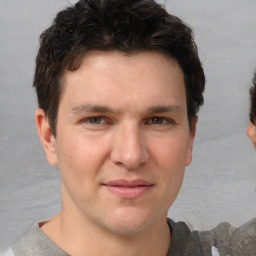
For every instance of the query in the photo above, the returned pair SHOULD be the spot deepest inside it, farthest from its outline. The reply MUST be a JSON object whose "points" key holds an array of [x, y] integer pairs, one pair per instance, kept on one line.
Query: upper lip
{"points": [[128, 183]]}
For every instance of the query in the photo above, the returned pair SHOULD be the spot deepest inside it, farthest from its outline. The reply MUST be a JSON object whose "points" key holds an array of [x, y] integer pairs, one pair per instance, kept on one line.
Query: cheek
{"points": [[80, 156], [171, 151], [170, 156], [78, 167]]}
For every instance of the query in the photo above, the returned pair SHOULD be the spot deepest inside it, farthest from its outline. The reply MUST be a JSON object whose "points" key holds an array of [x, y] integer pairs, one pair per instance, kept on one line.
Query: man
{"points": [[119, 85]]}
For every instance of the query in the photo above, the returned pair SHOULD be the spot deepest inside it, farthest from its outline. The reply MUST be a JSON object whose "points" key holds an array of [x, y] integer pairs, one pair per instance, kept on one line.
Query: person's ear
{"points": [[191, 140], [251, 132], [46, 136]]}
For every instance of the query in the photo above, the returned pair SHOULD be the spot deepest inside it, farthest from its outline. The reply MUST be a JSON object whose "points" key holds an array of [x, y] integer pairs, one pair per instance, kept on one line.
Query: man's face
{"points": [[123, 140]]}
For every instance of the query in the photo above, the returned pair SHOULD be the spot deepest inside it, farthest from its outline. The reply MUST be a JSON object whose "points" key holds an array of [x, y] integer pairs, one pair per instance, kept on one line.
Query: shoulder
{"points": [[244, 239], [230, 240], [186, 242], [36, 242], [224, 239]]}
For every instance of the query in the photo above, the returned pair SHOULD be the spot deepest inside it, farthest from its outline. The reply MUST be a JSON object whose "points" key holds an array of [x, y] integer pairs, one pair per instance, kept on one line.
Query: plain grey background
{"points": [[220, 183]]}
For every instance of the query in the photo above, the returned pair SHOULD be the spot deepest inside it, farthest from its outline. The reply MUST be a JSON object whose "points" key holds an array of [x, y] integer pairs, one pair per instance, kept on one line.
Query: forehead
{"points": [[145, 76]]}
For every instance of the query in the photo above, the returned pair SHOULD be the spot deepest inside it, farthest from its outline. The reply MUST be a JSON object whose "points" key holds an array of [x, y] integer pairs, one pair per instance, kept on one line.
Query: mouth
{"points": [[125, 189]]}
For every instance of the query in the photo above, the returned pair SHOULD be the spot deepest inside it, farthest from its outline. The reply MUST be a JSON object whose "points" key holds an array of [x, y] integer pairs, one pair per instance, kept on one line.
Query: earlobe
{"points": [[251, 132], [191, 141], [46, 136]]}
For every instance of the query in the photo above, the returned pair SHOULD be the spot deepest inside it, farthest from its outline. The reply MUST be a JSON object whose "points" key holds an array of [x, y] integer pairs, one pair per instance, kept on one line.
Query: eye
{"points": [[96, 123], [95, 120], [158, 120]]}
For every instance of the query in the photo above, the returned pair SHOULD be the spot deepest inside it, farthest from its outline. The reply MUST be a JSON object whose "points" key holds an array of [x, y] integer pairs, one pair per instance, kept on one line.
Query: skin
{"points": [[122, 119], [251, 133]]}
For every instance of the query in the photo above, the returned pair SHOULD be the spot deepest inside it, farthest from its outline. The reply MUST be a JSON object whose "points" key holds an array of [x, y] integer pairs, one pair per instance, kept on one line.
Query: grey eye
{"points": [[157, 120], [95, 120]]}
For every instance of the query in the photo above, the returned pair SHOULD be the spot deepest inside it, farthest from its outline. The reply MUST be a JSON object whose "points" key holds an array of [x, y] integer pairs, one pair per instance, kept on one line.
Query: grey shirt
{"points": [[228, 240]]}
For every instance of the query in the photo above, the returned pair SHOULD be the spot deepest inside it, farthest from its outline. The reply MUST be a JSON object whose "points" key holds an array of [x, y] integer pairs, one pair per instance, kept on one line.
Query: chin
{"points": [[131, 221]]}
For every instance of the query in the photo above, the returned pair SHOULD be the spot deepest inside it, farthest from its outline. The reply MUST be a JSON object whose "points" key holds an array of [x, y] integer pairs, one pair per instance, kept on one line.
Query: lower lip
{"points": [[129, 192]]}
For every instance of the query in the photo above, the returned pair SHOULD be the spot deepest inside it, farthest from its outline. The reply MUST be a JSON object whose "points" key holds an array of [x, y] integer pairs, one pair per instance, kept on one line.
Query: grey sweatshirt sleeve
{"points": [[230, 241], [223, 240]]}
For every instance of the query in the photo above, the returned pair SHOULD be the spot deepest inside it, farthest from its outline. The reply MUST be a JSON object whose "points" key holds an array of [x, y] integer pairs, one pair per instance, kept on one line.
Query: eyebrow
{"points": [[105, 109], [164, 109], [91, 108]]}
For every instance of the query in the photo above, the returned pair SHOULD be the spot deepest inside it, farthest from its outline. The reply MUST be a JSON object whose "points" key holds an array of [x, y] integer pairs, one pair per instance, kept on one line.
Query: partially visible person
{"points": [[251, 129]]}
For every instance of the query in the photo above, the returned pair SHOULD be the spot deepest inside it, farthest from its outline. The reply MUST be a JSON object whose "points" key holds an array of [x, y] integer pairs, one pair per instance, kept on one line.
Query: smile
{"points": [[129, 189]]}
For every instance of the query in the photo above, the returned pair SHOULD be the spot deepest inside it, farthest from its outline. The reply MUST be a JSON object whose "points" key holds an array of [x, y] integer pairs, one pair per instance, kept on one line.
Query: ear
{"points": [[191, 141], [251, 132], [47, 139]]}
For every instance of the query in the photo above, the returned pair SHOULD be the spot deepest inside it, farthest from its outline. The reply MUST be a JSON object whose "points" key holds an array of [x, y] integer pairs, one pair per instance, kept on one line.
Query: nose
{"points": [[129, 147]]}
